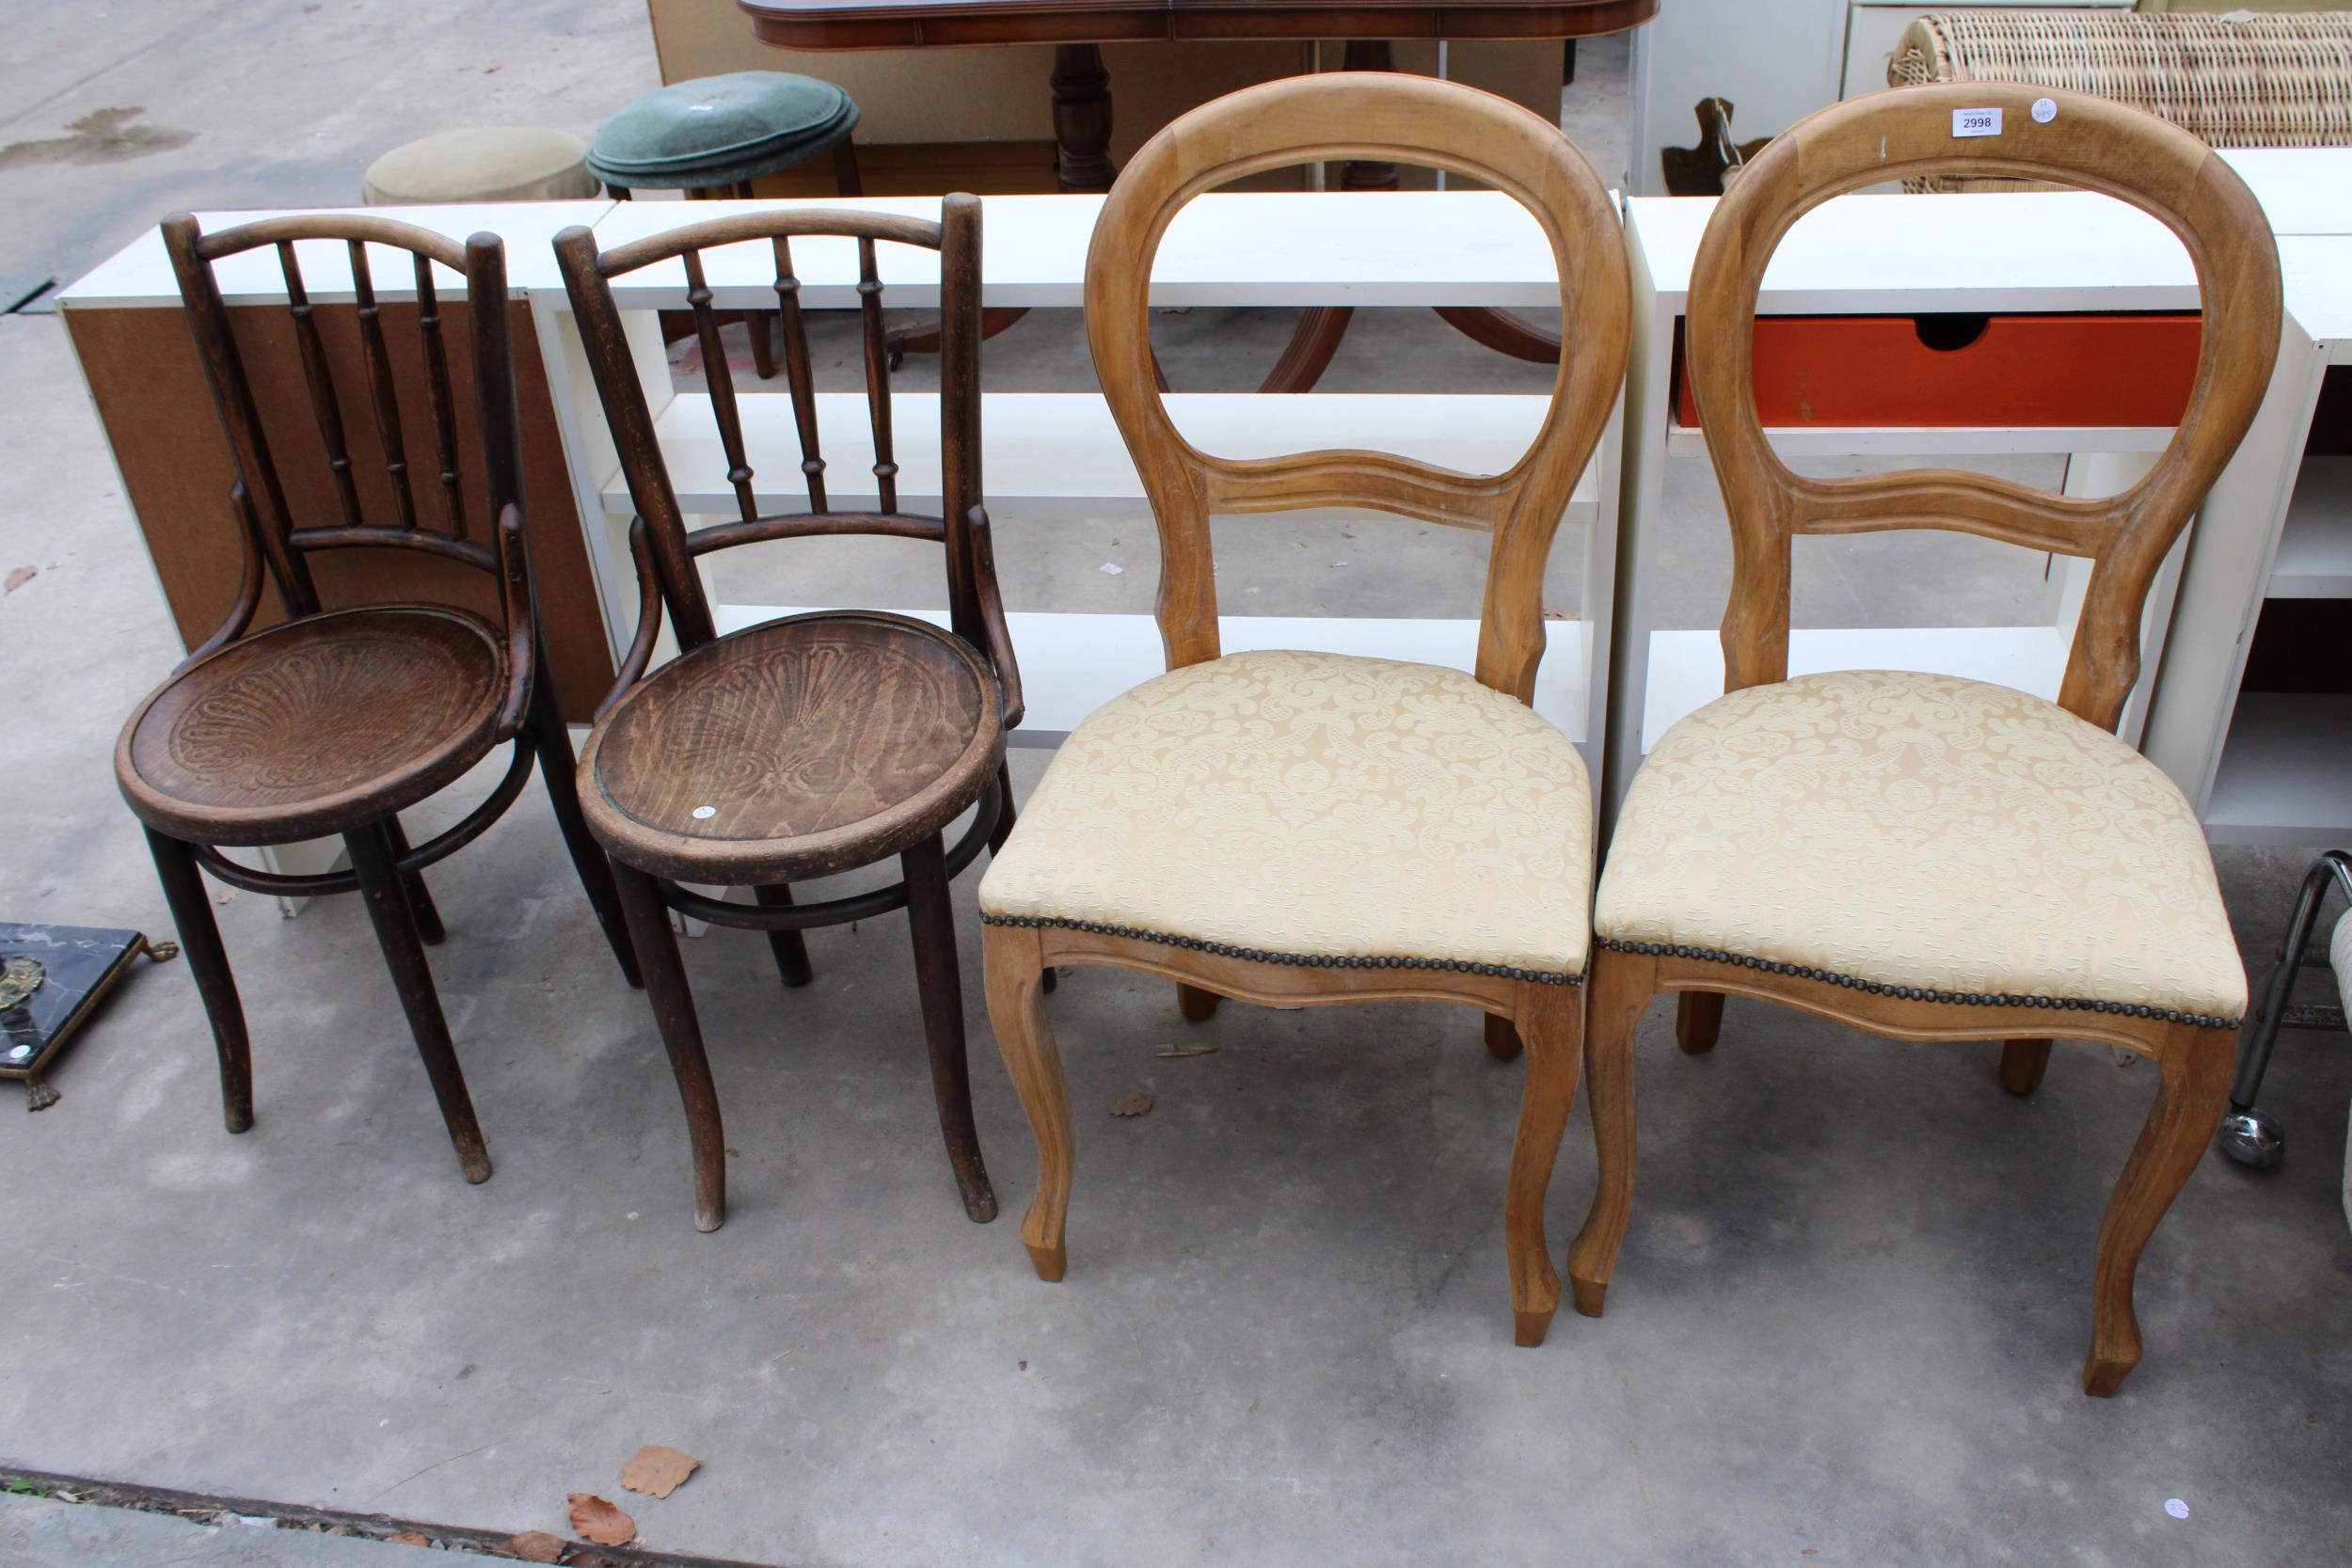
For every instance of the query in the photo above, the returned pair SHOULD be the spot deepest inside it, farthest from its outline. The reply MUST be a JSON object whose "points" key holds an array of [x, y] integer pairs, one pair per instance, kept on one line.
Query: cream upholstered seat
{"points": [[1313, 809], [1923, 833]]}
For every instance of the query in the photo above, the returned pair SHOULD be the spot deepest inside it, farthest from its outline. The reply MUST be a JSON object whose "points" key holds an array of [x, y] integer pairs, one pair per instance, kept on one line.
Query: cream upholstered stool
{"points": [[1930, 858], [1298, 829], [489, 163]]}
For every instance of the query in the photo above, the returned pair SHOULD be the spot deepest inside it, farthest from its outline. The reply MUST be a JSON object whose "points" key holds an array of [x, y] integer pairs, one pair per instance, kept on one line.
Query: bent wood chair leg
{"points": [[1003, 831], [2023, 1063], [1012, 959], [932, 924], [2189, 1099], [559, 771], [1698, 1018], [681, 1036], [208, 960], [1620, 986], [790, 947], [1198, 1005], [1502, 1039], [430, 930], [380, 889], [1551, 1019]]}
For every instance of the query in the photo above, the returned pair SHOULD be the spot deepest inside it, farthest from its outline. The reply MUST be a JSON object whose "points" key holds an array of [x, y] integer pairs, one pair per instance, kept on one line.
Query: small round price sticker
{"points": [[2045, 110]]}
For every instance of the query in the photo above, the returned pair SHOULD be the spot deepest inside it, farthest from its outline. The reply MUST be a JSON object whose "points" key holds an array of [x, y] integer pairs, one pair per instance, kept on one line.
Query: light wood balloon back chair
{"points": [[336, 719], [818, 743], [1338, 117], [2090, 143]]}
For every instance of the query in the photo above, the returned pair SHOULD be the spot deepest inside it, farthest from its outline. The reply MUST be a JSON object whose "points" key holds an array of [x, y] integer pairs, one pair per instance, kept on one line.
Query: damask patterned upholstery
{"points": [[1311, 807], [1912, 831]]}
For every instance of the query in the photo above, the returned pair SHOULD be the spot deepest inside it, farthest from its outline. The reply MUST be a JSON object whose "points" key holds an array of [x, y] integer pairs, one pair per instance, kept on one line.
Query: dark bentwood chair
{"points": [[817, 743], [333, 722]]}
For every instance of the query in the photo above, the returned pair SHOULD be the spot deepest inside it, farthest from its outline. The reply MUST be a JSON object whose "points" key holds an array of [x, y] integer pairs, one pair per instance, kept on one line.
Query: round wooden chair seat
{"points": [[314, 727], [793, 749]]}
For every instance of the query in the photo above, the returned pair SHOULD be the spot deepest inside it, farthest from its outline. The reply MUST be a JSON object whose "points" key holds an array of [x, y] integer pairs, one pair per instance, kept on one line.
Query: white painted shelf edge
{"points": [[1044, 451], [1937, 440], [2286, 771], [1073, 663], [2315, 559]]}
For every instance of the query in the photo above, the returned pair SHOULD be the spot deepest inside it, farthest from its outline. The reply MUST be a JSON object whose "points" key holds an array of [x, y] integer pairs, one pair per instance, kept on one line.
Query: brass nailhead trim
{"points": [[1304, 961], [1912, 993]]}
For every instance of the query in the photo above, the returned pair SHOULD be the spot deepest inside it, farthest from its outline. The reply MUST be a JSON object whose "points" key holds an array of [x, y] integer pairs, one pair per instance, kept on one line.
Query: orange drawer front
{"points": [[2002, 371]]}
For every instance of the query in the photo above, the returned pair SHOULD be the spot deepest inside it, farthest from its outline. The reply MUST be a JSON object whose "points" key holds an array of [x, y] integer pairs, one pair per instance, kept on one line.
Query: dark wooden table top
{"points": [[920, 23]]}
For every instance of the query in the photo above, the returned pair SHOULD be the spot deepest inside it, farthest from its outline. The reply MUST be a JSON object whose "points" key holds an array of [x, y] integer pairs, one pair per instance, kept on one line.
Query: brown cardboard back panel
{"points": [[149, 386]]}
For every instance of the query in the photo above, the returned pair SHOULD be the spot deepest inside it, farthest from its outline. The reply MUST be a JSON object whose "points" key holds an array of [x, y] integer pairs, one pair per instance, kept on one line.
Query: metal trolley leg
{"points": [[2251, 1135]]}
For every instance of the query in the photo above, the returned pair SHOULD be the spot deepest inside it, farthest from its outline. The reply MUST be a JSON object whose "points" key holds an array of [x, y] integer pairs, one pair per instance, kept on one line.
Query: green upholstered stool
{"points": [[489, 163], [713, 137], [716, 134]]}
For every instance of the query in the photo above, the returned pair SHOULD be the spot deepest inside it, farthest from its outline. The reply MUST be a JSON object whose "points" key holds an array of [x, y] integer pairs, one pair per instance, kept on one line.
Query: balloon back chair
{"points": [[335, 720], [818, 743], [1300, 829], [1924, 857]]}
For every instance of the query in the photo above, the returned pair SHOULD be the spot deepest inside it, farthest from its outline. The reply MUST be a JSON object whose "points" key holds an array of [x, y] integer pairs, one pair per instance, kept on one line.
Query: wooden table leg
{"points": [[1082, 163], [1317, 337], [1081, 118]]}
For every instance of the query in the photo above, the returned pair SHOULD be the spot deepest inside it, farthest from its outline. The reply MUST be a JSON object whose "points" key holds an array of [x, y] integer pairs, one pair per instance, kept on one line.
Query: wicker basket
{"points": [[2263, 81]]}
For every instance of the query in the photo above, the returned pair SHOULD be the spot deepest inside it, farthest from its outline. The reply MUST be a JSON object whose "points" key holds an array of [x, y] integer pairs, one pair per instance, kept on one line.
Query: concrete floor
{"points": [[1846, 1327]]}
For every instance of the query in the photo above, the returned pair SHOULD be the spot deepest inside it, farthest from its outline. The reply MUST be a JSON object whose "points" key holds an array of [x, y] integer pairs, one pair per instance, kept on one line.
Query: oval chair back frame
{"points": [[1336, 116]]}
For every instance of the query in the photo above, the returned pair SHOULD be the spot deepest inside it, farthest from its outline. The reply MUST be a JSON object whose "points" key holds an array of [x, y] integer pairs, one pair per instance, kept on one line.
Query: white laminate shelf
{"points": [[1984, 251], [1937, 440], [1060, 453], [1273, 248], [1073, 663], [139, 275], [2286, 771], [1686, 668], [2315, 559]]}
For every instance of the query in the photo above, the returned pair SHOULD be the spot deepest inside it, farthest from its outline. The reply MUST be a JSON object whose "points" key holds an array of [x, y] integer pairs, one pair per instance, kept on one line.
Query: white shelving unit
{"points": [[1881, 255], [2267, 766], [1047, 455]]}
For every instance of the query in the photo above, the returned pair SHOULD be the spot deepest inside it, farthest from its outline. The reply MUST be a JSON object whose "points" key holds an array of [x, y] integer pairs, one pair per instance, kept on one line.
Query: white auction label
{"points": [[1976, 122], [2045, 110]]}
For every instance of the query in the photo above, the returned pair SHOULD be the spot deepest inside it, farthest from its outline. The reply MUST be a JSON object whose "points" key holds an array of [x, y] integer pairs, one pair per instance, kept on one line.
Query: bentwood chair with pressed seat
{"points": [[334, 720], [1925, 857], [818, 743], [1300, 829]]}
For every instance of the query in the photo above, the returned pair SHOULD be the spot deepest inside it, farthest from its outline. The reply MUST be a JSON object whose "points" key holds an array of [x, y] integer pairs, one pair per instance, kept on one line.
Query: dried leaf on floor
{"points": [[1131, 1105], [534, 1546], [657, 1471], [22, 576], [594, 1519], [410, 1538], [1177, 1053]]}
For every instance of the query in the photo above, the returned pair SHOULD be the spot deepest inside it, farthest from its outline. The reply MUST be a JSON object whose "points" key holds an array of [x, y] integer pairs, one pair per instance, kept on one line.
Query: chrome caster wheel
{"points": [[2253, 1137]]}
